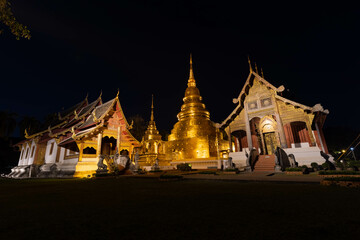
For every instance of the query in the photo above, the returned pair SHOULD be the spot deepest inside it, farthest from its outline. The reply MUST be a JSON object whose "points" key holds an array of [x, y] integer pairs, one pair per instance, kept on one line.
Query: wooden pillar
{"points": [[118, 140], [99, 140], [248, 130], [81, 151], [308, 126], [263, 150], [318, 132], [280, 126], [230, 140]]}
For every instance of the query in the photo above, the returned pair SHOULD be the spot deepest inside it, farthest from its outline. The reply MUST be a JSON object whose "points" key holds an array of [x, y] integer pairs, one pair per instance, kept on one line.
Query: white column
{"points": [[248, 130], [98, 150]]}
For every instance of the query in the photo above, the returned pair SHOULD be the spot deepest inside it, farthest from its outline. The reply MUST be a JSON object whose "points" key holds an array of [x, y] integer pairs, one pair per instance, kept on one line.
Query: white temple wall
{"points": [[50, 154], [62, 154], [305, 155], [22, 155], [239, 158], [31, 156]]}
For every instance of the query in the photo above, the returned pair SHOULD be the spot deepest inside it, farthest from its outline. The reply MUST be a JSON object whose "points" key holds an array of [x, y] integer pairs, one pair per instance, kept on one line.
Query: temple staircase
{"points": [[265, 163]]}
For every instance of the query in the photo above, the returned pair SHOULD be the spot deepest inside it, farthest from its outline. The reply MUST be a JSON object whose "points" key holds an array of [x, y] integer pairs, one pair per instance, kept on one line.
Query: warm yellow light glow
{"points": [[343, 150]]}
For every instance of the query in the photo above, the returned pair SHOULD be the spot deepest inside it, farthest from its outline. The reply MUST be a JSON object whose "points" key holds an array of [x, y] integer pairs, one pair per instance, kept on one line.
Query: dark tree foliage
{"points": [[7, 124], [139, 126], [8, 19], [31, 124]]}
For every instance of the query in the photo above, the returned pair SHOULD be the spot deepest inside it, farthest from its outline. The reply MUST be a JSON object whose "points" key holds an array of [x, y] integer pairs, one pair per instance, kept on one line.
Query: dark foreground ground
{"points": [[134, 208]]}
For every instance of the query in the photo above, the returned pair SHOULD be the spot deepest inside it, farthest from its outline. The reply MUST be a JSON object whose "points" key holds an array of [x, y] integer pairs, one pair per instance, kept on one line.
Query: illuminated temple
{"points": [[265, 132]]}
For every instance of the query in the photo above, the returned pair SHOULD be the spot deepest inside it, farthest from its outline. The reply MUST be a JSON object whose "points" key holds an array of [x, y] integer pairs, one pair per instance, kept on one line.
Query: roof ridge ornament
{"points": [[251, 70], [94, 115], [76, 115], [262, 73], [26, 134], [117, 94], [256, 68]]}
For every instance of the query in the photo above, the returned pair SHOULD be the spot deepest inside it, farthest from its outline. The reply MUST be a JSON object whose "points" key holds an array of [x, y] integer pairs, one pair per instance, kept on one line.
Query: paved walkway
{"points": [[258, 177]]}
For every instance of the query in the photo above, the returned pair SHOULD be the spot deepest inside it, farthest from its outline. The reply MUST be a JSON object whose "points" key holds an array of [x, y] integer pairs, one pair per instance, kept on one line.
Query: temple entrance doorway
{"points": [[108, 146], [268, 128], [270, 143]]}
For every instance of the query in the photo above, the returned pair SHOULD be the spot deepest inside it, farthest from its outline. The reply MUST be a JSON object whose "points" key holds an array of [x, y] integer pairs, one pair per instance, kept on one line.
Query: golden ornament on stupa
{"points": [[194, 136]]}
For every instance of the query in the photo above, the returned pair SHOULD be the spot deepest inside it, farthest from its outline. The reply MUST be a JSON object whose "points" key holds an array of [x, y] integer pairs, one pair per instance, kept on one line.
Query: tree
{"points": [[7, 124], [139, 126], [31, 124], [8, 19]]}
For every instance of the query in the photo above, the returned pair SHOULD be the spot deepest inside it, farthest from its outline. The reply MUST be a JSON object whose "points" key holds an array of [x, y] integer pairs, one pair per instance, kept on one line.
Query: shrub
{"points": [[207, 172], [325, 166], [183, 167], [304, 166], [352, 179], [354, 164], [297, 169], [331, 172], [314, 165], [340, 165]]}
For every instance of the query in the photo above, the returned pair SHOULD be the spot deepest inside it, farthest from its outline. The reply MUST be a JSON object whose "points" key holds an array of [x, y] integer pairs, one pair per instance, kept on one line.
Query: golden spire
{"points": [[151, 131], [152, 108], [191, 81], [256, 69], [262, 73], [250, 64], [117, 95]]}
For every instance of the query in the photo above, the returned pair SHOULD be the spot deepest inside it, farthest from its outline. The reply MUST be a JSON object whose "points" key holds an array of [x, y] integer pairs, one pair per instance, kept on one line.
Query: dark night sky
{"points": [[142, 47]]}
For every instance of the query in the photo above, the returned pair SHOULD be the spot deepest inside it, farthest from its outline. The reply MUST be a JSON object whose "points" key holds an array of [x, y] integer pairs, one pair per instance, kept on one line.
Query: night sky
{"points": [[142, 48]]}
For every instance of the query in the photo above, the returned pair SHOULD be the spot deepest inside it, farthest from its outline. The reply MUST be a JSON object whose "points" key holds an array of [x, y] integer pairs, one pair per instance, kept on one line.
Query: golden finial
{"points": [[191, 81], [131, 125], [49, 129], [250, 64], [87, 95], [26, 133], [76, 115], [256, 69], [262, 73], [117, 95], [73, 133], [100, 93], [152, 108]]}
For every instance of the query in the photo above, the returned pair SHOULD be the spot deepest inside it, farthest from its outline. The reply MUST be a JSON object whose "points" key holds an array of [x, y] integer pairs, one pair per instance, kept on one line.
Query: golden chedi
{"points": [[152, 145], [194, 137]]}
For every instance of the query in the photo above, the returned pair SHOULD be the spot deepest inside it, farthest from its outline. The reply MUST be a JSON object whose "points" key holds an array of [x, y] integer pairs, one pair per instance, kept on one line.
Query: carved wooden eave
{"points": [[295, 104], [245, 90]]}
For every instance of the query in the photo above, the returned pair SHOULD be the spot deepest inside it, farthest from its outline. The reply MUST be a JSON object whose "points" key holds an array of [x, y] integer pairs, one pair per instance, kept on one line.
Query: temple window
{"points": [[252, 105], [51, 148], [265, 102], [27, 153], [32, 151], [89, 150]]}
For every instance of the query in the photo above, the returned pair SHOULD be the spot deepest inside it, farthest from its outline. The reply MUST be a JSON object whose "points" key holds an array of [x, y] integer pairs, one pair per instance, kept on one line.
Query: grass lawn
{"points": [[135, 208]]}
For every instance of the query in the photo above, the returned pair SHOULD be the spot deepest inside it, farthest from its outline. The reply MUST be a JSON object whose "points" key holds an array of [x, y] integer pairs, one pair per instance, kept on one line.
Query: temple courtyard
{"points": [[147, 208]]}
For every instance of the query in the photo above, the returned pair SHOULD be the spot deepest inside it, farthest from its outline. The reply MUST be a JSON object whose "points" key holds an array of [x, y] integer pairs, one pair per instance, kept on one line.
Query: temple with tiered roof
{"points": [[72, 144]]}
